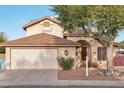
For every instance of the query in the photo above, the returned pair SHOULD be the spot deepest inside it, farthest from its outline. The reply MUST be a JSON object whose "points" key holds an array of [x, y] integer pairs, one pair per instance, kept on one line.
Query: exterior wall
{"points": [[8, 58], [90, 40], [54, 29], [94, 57], [93, 47], [71, 53]]}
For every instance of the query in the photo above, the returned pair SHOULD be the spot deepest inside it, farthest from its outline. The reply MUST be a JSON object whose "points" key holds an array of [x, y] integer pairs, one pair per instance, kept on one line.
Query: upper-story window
{"points": [[46, 24]]}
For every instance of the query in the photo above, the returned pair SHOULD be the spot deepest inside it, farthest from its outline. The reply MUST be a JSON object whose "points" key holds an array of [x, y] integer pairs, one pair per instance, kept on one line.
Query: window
{"points": [[46, 24], [101, 53]]}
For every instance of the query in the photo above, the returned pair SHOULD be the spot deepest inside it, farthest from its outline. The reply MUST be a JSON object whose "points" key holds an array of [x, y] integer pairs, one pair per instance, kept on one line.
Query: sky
{"points": [[12, 18]]}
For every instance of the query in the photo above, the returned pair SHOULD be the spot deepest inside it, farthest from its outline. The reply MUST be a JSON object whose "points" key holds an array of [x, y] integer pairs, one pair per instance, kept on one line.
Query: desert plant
{"points": [[66, 63]]}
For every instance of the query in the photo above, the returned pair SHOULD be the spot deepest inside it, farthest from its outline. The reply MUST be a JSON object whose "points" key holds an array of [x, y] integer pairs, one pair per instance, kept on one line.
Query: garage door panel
{"points": [[33, 58]]}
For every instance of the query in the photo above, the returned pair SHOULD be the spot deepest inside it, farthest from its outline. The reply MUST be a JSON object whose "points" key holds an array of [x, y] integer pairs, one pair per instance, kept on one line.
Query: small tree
{"points": [[108, 20], [3, 38], [73, 16]]}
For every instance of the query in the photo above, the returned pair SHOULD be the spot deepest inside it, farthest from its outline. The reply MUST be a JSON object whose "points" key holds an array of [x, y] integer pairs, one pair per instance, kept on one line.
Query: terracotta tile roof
{"points": [[40, 19], [42, 39], [76, 32]]}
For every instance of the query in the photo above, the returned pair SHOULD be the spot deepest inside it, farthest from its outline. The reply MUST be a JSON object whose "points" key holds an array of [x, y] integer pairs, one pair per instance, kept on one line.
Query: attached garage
{"points": [[37, 51], [33, 58]]}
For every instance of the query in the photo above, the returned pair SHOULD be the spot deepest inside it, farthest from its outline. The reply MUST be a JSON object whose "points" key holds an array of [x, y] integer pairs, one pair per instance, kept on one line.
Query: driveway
{"points": [[27, 77], [48, 78]]}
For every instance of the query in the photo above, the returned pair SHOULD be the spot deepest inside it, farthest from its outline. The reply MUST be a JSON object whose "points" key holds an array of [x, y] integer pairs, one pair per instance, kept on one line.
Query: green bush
{"points": [[2, 49], [66, 63]]}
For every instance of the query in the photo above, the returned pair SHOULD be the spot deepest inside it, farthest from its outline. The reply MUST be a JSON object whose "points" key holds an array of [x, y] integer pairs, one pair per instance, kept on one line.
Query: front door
{"points": [[84, 53]]}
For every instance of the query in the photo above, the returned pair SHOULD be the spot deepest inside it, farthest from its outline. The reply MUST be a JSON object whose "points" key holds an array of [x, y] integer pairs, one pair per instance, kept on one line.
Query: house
{"points": [[45, 41]]}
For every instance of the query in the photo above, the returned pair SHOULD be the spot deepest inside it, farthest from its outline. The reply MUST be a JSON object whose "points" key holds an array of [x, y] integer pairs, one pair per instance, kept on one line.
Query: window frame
{"points": [[101, 53]]}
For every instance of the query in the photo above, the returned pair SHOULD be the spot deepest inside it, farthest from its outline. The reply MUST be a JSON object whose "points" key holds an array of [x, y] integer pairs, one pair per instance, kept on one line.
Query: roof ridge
{"points": [[40, 19]]}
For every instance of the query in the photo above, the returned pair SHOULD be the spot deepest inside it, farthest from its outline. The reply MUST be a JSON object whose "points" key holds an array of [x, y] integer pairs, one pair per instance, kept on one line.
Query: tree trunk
{"points": [[110, 65]]}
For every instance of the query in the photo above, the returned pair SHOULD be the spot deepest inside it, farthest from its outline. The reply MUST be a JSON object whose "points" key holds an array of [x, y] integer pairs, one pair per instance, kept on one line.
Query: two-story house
{"points": [[45, 41]]}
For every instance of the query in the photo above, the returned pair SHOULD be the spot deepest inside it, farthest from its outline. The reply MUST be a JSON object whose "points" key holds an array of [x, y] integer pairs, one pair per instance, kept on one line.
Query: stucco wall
{"points": [[71, 53], [93, 47], [8, 58], [54, 29]]}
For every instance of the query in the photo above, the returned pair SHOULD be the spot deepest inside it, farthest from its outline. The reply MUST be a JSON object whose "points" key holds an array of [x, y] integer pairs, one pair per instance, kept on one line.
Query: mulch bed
{"points": [[80, 74]]}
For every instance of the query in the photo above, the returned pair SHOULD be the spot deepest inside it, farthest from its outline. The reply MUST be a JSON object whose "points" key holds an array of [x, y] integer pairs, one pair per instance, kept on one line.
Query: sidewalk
{"points": [[48, 78], [71, 83]]}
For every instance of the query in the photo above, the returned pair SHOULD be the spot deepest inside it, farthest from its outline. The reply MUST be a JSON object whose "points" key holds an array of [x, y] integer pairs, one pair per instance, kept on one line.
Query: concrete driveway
{"points": [[27, 77], [48, 78]]}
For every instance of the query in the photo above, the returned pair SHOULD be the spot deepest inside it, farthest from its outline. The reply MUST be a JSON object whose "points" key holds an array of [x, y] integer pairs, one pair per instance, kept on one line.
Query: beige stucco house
{"points": [[45, 41]]}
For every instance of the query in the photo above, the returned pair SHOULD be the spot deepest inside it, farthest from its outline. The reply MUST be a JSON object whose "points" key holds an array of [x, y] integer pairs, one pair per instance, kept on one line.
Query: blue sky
{"points": [[12, 18]]}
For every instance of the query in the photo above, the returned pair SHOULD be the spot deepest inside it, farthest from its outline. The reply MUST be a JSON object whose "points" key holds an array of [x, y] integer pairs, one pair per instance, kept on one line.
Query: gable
{"points": [[41, 19], [45, 26]]}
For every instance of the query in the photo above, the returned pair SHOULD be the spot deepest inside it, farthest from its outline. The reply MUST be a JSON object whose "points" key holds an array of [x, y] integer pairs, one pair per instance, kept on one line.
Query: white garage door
{"points": [[33, 58]]}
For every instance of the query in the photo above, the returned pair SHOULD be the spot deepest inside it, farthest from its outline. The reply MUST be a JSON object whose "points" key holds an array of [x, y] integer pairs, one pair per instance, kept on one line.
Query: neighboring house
{"points": [[45, 41]]}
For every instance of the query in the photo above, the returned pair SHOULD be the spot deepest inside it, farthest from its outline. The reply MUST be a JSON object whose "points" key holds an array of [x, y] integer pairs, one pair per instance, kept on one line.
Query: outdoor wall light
{"points": [[66, 52]]}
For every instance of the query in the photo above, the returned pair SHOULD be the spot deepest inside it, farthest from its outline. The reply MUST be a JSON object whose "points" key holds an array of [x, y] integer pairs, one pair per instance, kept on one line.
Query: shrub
{"points": [[2, 49], [118, 60], [65, 63]]}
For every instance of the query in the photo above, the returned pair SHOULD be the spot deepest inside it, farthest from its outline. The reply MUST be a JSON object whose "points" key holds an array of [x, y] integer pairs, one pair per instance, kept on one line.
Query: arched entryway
{"points": [[84, 50]]}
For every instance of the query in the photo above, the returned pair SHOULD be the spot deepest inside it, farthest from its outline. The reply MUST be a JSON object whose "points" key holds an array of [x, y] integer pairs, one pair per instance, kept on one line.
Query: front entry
{"points": [[85, 50], [83, 53]]}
